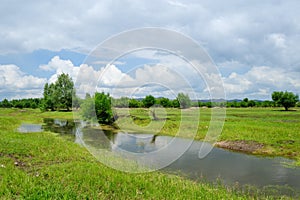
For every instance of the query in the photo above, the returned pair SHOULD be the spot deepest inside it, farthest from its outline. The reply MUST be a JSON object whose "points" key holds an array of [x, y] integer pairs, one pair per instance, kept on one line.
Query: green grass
{"points": [[46, 166], [279, 131]]}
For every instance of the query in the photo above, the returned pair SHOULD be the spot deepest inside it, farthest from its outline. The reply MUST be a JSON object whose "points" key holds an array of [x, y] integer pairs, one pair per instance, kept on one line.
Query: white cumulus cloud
{"points": [[15, 83], [260, 81]]}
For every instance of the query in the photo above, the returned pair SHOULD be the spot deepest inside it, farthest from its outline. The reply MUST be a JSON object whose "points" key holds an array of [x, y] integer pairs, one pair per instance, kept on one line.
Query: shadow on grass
{"points": [[282, 110]]}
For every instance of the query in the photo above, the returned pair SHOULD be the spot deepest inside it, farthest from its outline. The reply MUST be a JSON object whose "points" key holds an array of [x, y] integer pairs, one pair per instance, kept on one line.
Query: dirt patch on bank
{"points": [[240, 145]]}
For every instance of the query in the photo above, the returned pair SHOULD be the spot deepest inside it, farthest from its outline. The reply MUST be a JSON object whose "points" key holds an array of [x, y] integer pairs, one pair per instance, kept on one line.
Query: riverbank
{"points": [[46, 166]]}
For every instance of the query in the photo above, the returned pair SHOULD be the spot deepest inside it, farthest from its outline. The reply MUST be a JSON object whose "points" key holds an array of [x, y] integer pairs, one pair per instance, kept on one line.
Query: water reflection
{"points": [[61, 126], [30, 128]]}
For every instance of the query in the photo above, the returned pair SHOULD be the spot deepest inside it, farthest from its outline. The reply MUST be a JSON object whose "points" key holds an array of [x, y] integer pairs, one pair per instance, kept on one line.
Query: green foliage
{"points": [[176, 103], [285, 99], [123, 102], [76, 102], [251, 103], [98, 108], [133, 103], [103, 108], [149, 101], [21, 103], [184, 100], [165, 102], [87, 110], [58, 95], [6, 104]]}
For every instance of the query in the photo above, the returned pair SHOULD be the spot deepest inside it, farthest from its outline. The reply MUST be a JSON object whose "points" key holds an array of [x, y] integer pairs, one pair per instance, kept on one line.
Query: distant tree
{"points": [[87, 95], [184, 100], [149, 101], [76, 102], [285, 99], [165, 102], [175, 103], [133, 103], [267, 103], [123, 102], [251, 103], [33, 105], [6, 104], [19, 104], [244, 103], [209, 104]]}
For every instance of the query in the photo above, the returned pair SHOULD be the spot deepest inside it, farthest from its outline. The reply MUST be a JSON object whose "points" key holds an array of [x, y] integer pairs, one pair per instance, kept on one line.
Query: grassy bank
{"points": [[46, 166], [276, 132]]}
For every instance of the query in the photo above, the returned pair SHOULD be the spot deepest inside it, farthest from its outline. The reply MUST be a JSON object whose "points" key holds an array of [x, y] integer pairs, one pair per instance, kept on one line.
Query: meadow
{"points": [[47, 166]]}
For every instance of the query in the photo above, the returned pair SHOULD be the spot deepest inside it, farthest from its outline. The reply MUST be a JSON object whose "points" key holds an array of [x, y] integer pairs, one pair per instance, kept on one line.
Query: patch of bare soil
{"points": [[240, 145]]}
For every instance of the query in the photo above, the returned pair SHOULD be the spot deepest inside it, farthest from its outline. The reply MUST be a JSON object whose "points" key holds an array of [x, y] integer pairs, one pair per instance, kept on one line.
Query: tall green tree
{"points": [[59, 95], [64, 91], [184, 100], [285, 99]]}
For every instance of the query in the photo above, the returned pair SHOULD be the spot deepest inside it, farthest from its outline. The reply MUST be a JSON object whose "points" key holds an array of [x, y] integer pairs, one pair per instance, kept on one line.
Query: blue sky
{"points": [[254, 44]]}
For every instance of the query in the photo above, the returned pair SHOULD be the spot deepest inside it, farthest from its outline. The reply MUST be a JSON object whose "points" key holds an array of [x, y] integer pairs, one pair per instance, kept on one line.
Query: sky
{"points": [[255, 46]]}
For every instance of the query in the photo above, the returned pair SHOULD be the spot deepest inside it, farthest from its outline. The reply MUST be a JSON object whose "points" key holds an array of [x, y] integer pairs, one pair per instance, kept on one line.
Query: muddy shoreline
{"points": [[240, 145]]}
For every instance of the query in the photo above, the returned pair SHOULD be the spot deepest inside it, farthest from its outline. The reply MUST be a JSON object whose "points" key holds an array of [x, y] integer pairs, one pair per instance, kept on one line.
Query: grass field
{"points": [[46, 166]]}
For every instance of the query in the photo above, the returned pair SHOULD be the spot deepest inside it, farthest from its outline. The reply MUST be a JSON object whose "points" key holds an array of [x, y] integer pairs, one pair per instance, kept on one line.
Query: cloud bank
{"points": [[255, 44]]}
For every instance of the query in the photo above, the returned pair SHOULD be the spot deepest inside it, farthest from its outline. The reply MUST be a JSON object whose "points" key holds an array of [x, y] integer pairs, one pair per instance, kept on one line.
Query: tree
{"points": [[87, 110], [64, 91], [285, 99], [175, 103], [251, 103], [76, 102], [133, 103], [98, 108], [6, 104], [184, 100], [59, 95], [149, 101], [165, 102], [103, 108], [123, 102]]}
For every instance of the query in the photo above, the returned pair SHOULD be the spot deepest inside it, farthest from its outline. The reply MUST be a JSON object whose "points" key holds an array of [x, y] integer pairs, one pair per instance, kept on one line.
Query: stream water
{"points": [[231, 168]]}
